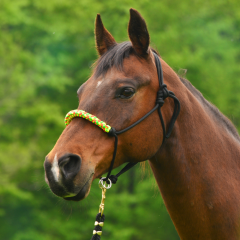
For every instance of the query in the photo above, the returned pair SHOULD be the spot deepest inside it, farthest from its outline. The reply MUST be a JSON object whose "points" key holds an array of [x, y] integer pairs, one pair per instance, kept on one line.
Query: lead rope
{"points": [[97, 232]]}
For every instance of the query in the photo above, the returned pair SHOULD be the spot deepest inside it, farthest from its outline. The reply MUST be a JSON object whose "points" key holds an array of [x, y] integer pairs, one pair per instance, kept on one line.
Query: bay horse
{"points": [[197, 168]]}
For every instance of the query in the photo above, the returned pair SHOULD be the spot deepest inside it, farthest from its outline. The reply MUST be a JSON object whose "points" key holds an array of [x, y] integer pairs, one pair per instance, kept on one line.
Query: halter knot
{"points": [[162, 94], [112, 132], [113, 178]]}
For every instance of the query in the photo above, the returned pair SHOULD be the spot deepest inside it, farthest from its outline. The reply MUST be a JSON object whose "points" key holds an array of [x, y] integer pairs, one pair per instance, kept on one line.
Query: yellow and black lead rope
{"points": [[97, 232]]}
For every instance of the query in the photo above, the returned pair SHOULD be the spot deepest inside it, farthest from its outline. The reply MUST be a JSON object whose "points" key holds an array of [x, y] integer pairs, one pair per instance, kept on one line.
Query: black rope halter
{"points": [[162, 94]]}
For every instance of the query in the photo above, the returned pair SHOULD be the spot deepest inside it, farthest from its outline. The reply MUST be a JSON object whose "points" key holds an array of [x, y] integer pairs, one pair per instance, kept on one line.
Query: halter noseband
{"points": [[81, 113], [161, 95]]}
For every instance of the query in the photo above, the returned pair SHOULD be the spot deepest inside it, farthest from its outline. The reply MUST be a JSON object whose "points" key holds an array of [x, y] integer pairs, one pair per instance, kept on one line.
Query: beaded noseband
{"points": [[81, 113], [162, 94]]}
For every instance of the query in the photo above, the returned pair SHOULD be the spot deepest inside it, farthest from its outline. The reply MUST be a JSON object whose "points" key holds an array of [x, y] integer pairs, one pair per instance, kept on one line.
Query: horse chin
{"points": [[83, 193]]}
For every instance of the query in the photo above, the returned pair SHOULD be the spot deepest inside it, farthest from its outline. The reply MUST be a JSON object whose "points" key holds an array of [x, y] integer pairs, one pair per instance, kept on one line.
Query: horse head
{"points": [[121, 90]]}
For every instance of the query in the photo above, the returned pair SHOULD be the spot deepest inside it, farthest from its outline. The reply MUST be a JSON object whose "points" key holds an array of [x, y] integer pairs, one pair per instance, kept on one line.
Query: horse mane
{"points": [[114, 58], [223, 120]]}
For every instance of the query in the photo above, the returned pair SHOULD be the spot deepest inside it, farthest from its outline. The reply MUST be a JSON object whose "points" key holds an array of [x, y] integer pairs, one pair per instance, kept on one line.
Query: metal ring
{"points": [[103, 185]]}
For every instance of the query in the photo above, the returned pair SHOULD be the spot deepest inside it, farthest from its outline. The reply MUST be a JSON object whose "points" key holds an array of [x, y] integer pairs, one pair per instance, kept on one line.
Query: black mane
{"points": [[212, 109]]}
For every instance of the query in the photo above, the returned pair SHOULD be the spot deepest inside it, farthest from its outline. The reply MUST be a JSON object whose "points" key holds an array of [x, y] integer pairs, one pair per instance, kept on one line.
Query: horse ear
{"points": [[138, 33], [104, 40]]}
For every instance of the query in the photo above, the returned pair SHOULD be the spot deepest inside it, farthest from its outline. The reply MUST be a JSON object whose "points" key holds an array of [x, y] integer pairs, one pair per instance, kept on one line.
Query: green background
{"points": [[46, 53]]}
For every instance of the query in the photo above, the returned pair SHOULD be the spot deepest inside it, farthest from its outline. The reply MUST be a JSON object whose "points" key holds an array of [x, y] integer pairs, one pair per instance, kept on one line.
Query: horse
{"points": [[197, 168]]}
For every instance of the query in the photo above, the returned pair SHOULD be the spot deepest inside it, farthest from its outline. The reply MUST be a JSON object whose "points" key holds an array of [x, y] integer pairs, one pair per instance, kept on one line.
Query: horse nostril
{"points": [[69, 165]]}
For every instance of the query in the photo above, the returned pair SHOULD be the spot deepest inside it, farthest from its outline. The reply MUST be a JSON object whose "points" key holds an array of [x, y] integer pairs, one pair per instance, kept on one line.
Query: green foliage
{"points": [[46, 51]]}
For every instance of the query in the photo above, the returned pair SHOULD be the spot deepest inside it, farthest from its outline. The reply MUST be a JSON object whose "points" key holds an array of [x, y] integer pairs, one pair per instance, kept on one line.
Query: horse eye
{"points": [[127, 93]]}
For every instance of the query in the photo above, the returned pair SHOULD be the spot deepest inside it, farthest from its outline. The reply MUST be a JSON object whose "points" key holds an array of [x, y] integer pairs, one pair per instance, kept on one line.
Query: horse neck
{"points": [[193, 168]]}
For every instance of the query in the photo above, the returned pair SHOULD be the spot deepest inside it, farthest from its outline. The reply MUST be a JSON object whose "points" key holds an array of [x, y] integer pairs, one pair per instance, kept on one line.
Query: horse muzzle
{"points": [[62, 177]]}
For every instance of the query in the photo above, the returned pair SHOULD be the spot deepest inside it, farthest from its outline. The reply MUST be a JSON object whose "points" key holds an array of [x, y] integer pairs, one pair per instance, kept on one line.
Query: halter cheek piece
{"points": [[161, 95]]}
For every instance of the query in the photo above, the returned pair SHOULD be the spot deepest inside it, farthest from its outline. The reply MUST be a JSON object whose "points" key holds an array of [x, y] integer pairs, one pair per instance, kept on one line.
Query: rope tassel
{"points": [[97, 232]]}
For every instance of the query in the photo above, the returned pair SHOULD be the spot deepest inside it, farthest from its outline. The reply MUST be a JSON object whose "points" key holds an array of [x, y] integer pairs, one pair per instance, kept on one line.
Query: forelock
{"points": [[113, 58]]}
